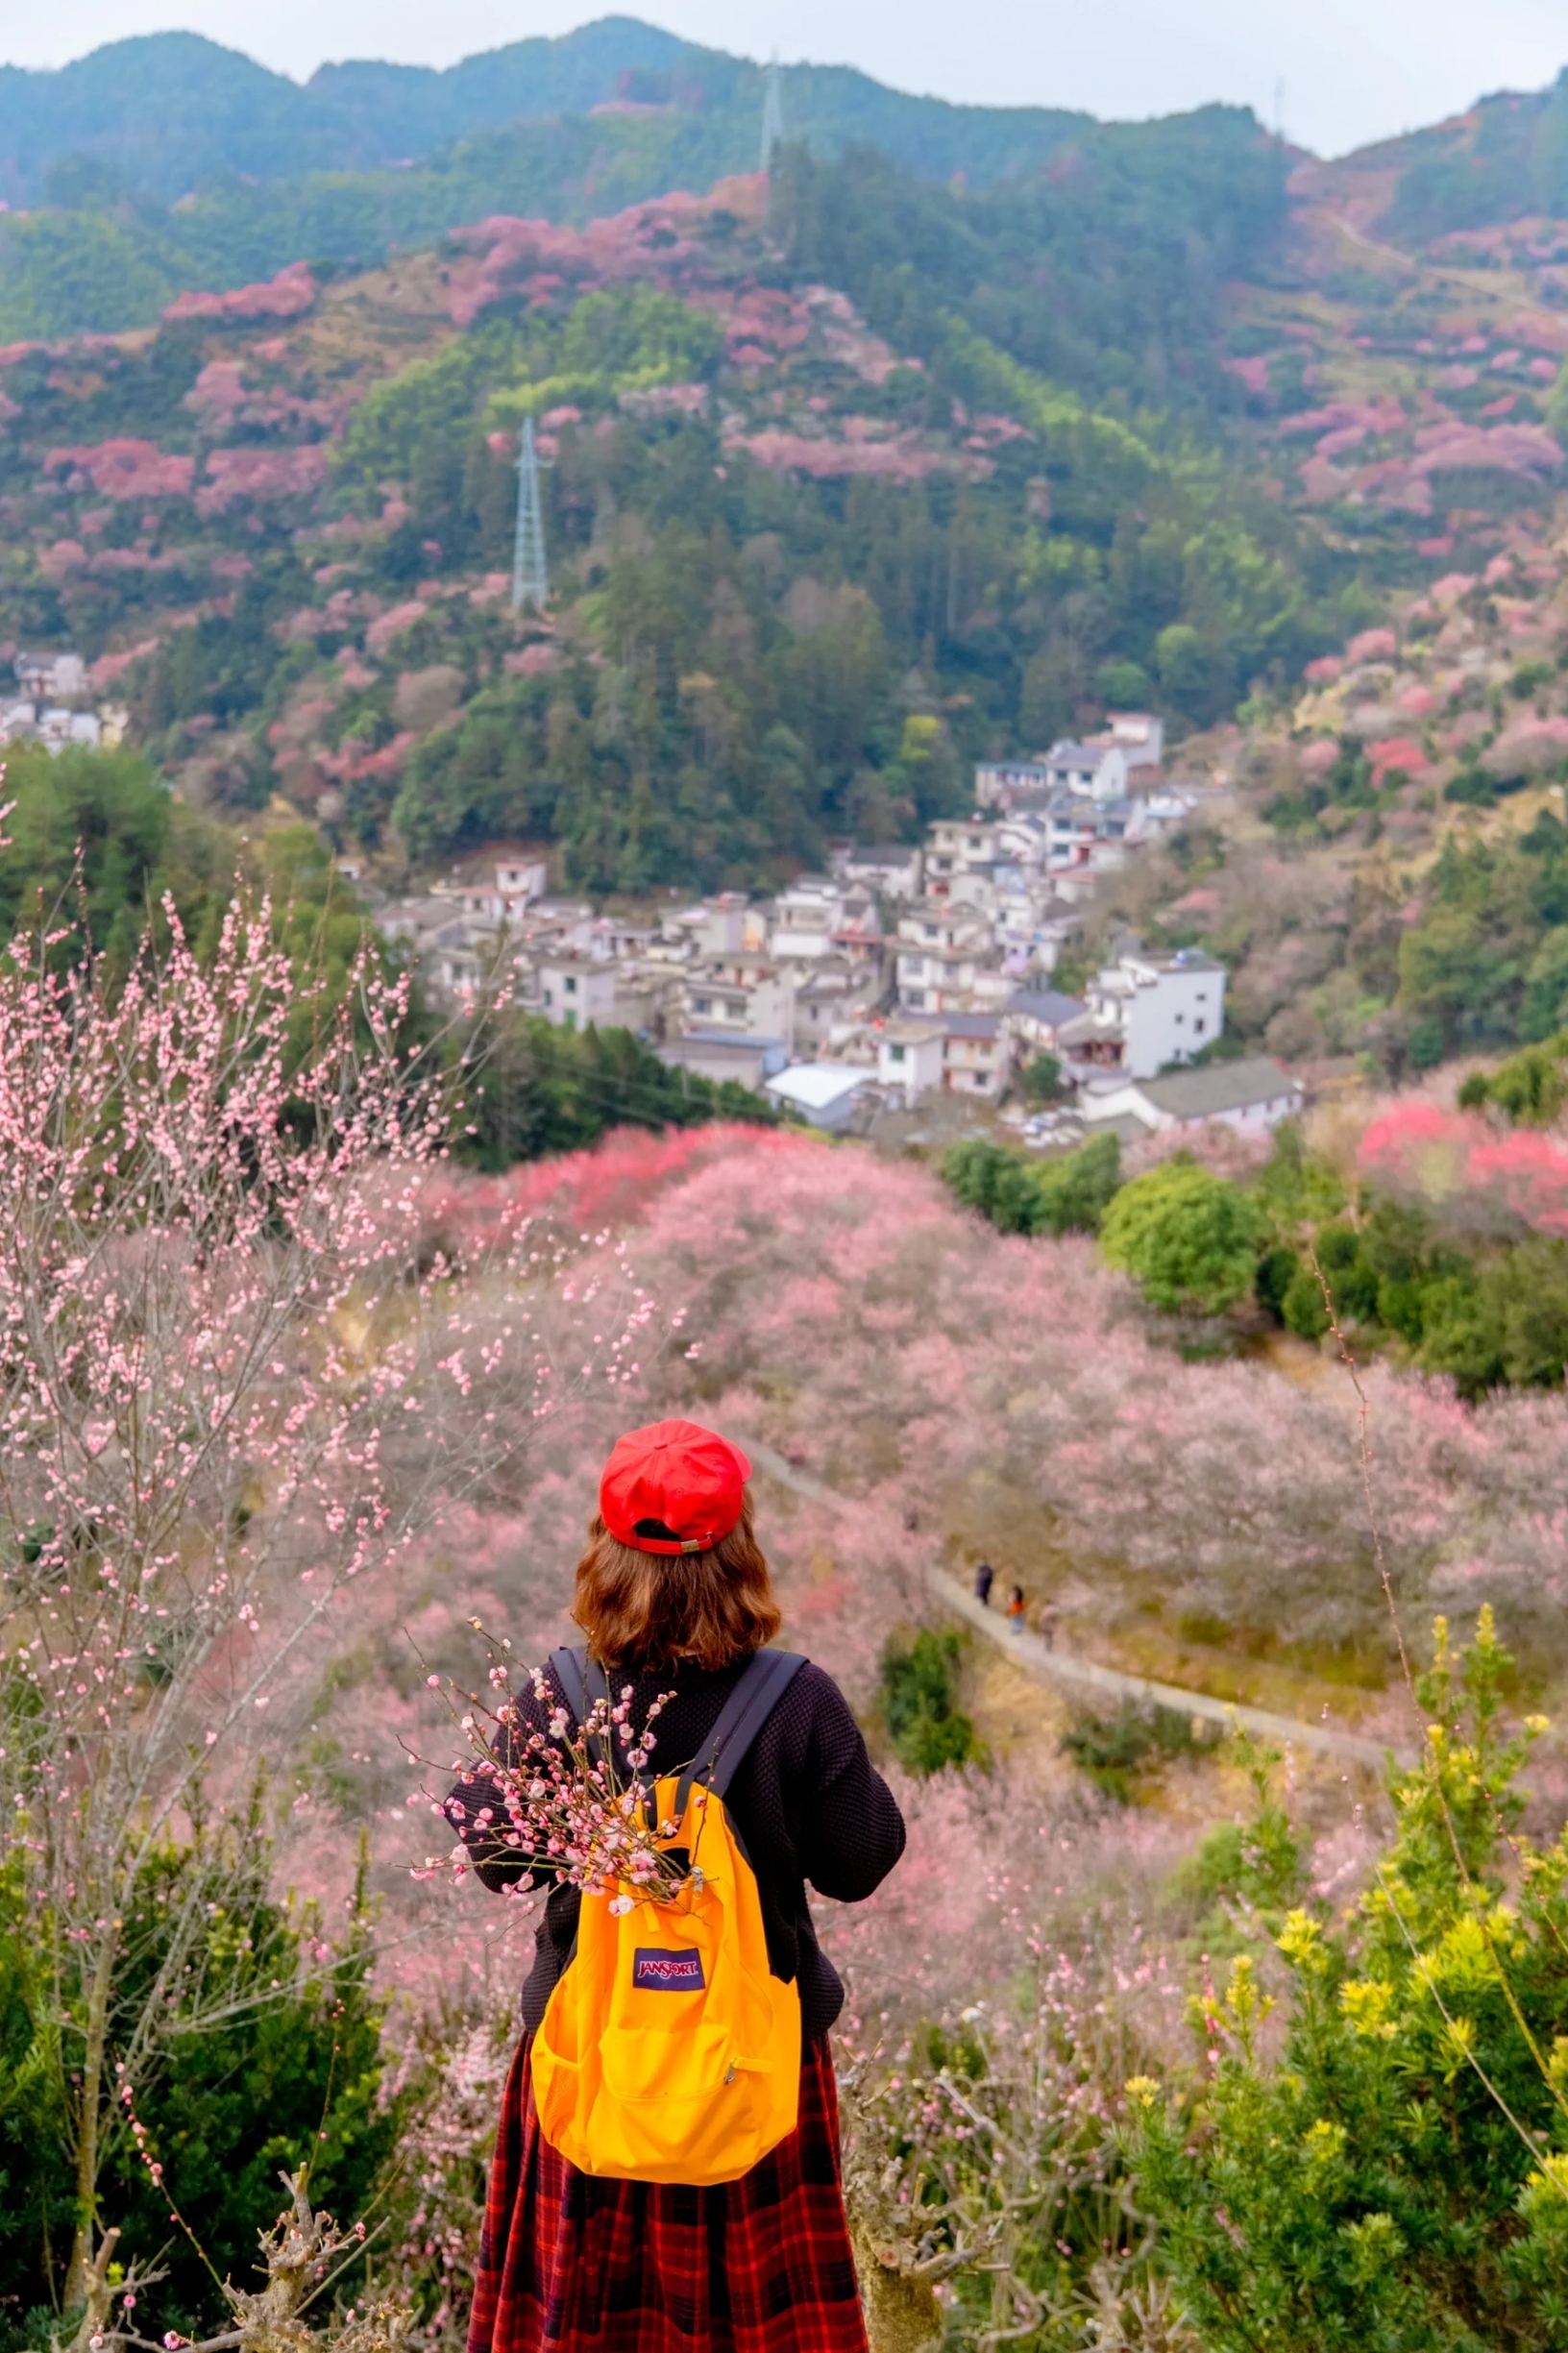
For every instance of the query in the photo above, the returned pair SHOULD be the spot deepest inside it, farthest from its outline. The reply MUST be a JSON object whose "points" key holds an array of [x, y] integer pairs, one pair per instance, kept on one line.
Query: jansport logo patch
{"points": [[668, 1972]]}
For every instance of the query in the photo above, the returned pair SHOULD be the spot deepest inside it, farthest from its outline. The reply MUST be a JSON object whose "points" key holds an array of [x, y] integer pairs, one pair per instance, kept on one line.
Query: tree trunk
{"points": [[78, 2277]]}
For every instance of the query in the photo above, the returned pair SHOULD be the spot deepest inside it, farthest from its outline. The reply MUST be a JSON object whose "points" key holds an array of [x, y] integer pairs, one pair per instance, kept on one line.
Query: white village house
{"points": [[576, 992], [1250, 1095], [1147, 1009], [823, 1094], [909, 1057]]}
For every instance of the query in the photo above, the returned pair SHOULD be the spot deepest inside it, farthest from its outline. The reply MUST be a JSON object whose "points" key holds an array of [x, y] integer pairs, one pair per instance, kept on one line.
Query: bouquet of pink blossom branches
{"points": [[557, 1801]]}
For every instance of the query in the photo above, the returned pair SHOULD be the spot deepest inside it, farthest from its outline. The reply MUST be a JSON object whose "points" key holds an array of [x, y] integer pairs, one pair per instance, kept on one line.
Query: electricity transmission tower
{"points": [[530, 574], [772, 112]]}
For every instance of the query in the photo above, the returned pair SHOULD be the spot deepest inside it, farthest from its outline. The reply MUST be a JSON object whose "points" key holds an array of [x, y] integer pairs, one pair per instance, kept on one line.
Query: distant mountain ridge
{"points": [[154, 118]]}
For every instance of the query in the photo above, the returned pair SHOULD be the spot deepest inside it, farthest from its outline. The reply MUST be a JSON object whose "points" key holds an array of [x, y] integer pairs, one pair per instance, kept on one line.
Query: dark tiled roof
{"points": [[1049, 1005], [1221, 1086]]}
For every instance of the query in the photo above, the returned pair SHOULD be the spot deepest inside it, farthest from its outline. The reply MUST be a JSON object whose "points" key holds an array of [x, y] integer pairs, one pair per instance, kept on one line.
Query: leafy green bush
{"points": [[1075, 1191], [1112, 1749], [1531, 1086], [1397, 2180], [918, 1678], [1504, 1322], [1040, 1080], [105, 815], [280, 2062], [1485, 963], [535, 1088], [1277, 1272], [1067, 1195], [1188, 1237]]}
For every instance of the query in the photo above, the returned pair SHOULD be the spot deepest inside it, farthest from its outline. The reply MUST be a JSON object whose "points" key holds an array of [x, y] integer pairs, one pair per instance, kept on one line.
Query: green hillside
{"points": [[832, 512], [155, 118], [1504, 160], [855, 476]]}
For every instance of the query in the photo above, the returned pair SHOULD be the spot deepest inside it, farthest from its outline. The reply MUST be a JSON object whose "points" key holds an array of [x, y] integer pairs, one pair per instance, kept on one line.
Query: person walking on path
{"points": [[1048, 1624], [1014, 1611], [984, 1576], [674, 1596]]}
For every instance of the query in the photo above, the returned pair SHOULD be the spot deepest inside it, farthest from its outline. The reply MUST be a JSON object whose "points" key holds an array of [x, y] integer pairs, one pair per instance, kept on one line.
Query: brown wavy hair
{"points": [[655, 1609]]}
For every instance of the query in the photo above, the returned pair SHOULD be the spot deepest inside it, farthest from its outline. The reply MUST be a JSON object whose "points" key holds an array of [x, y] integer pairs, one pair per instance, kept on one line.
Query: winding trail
{"points": [[1056, 1666]]}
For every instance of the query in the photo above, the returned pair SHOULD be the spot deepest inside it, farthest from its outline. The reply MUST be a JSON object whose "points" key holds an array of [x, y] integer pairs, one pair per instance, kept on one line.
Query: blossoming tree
{"points": [[237, 1378]]}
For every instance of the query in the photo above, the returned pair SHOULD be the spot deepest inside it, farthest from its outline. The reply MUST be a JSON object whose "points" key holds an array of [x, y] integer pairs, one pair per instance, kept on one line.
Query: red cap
{"points": [[672, 1488]]}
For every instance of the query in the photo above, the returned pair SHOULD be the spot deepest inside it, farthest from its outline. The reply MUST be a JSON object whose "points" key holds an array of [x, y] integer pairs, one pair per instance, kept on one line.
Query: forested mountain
{"points": [[853, 475], [805, 570], [156, 117]]}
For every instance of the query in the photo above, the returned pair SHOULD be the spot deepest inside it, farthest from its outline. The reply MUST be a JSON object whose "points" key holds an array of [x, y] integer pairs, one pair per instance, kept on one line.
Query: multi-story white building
{"points": [[1147, 1011], [806, 920], [828, 1004], [999, 783], [719, 926], [761, 1005], [892, 872], [501, 896], [1096, 771], [974, 1055], [522, 879], [1034, 1020], [1250, 1095], [576, 991], [58, 677], [1140, 737], [956, 846], [940, 951], [909, 1059]]}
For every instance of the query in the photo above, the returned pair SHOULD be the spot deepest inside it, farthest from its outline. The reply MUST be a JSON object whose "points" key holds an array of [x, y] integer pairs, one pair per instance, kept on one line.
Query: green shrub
{"points": [[1111, 1750], [281, 2062], [1188, 1237], [1075, 1191], [918, 1680], [1396, 2178], [1504, 1322], [1531, 1086], [1040, 1080], [1277, 1270], [1069, 1195]]}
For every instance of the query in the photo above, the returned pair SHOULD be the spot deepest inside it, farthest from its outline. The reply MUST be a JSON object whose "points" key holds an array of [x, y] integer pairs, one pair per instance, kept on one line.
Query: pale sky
{"points": [[1343, 71]]}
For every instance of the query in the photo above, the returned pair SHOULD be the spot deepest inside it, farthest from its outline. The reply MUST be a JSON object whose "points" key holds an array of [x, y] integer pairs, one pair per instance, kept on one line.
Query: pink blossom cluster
{"points": [[1379, 417], [240, 1384], [561, 1802], [653, 240], [110, 668], [904, 457], [221, 400], [285, 296], [390, 625], [123, 469], [249, 475], [1439, 1154], [353, 761], [1405, 483], [1252, 373], [657, 401]]}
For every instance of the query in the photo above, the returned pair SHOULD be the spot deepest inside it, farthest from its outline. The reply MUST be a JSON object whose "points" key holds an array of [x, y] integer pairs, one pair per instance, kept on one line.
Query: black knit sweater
{"points": [[806, 1800]]}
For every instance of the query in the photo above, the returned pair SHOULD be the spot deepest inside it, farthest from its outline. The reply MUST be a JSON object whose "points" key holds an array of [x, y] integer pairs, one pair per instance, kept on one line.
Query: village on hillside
{"points": [[907, 976]]}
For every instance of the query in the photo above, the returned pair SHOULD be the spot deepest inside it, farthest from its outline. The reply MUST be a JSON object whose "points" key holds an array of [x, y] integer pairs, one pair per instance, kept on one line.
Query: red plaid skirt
{"points": [[571, 2263]]}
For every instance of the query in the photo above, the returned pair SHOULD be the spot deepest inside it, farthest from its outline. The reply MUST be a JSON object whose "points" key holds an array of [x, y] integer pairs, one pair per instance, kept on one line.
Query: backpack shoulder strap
{"points": [[582, 1681], [761, 1686], [570, 1670]]}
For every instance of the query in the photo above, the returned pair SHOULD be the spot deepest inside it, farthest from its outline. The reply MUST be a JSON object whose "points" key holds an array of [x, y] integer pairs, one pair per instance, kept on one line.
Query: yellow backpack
{"points": [[668, 2050]]}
